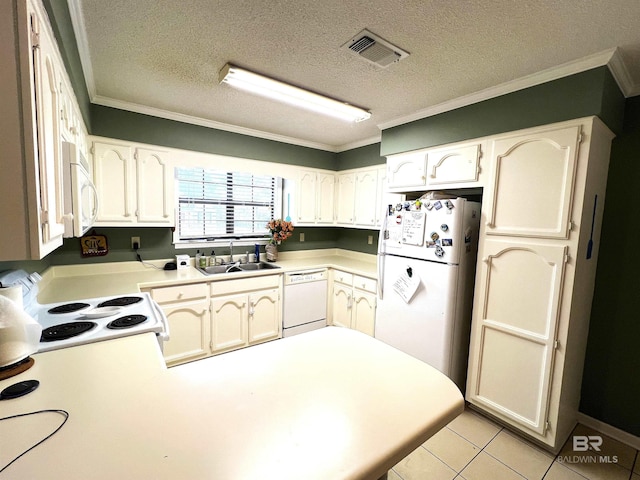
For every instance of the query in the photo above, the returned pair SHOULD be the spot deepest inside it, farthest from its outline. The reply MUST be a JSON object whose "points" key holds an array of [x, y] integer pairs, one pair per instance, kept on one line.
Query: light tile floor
{"points": [[473, 447]]}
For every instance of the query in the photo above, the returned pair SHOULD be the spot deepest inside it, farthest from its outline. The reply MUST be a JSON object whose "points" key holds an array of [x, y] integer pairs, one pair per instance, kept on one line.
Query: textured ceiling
{"points": [[163, 56]]}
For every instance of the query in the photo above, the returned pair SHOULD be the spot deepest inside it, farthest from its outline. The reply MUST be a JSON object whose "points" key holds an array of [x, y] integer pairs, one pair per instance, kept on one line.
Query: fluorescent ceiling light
{"points": [[267, 87]]}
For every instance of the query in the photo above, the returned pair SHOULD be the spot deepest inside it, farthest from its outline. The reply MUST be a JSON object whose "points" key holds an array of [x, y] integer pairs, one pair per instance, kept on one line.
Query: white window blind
{"points": [[216, 204]]}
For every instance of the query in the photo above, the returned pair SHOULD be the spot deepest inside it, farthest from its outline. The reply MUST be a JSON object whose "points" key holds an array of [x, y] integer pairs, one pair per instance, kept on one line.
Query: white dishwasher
{"points": [[305, 301]]}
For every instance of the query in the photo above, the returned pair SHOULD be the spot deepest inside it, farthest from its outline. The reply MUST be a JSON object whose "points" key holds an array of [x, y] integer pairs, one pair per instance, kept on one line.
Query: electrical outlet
{"points": [[134, 241], [302, 237], [370, 240]]}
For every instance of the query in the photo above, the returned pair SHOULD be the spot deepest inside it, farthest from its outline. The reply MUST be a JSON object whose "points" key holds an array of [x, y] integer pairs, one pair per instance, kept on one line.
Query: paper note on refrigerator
{"points": [[413, 228], [406, 286]]}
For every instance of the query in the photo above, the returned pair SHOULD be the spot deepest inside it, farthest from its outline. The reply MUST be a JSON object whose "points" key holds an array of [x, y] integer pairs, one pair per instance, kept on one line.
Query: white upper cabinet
{"points": [[47, 75], [407, 170], [532, 184], [346, 195], [366, 183], [35, 118], [315, 197], [113, 175], [154, 187], [135, 185], [325, 197], [458, 164]]}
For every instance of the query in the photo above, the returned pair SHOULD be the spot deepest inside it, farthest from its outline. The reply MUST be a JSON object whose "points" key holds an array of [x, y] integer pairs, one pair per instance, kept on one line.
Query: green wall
{"points": [[360, 157], [156, 244], [611, 380], [124, 125], [593, 92]]}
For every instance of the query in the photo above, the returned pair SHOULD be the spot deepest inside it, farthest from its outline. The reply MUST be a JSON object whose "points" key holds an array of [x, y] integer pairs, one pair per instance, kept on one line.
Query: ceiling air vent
{"points": [[374, 49]]}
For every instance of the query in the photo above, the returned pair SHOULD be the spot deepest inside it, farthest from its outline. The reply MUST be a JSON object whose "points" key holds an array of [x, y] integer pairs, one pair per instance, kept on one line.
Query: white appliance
{"points": [[80, 195], [67, 324], [305, 301], [426, 266]]}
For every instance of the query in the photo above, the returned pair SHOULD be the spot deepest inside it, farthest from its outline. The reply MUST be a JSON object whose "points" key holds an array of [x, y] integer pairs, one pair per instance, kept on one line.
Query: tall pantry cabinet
{"points": [[537, 257]]}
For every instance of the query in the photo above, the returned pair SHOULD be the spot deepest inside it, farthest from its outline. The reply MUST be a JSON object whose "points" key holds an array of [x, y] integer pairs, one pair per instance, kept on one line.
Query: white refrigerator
{"points": [[426, 267]]}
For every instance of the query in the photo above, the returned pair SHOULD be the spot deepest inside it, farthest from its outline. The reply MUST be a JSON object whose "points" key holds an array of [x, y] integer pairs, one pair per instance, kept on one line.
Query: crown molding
{"points": [[554, 73], [79, 30], [358, 144], [620, 72]]}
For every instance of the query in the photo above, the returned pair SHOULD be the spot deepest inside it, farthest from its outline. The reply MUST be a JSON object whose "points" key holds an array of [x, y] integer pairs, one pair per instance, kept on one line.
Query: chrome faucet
{"points": [[231, 251]]}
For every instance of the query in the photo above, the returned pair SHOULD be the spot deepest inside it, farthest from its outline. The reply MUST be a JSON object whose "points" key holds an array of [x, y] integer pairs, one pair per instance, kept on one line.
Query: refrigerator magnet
{"points": [[447, 242], [437, 205]]}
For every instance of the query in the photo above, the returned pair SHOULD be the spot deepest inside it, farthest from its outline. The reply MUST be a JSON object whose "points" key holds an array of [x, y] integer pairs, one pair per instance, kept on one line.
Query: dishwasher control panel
{"points": [[305, 276]]}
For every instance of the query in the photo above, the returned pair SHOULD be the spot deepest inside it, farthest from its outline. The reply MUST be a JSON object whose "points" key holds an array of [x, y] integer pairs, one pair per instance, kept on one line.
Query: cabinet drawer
{"points": [[364, 283], [342, 277], [224, 287], [180, 293]]}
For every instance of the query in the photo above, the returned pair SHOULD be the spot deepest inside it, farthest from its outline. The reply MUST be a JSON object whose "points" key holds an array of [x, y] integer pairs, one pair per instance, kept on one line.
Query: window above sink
{"points": [[215, 206]]}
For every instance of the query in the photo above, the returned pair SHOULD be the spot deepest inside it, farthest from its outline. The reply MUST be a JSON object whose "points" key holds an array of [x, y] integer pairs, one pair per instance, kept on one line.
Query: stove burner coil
{"points": [[67, 308], [65, 331], [127, 321], [120, 302]]}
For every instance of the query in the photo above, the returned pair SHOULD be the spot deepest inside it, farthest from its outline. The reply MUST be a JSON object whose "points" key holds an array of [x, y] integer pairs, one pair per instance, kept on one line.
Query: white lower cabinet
{"points": [[245, 319], [353, 302], [537, 258], [189, 327], [215, 317], [187, 310]]}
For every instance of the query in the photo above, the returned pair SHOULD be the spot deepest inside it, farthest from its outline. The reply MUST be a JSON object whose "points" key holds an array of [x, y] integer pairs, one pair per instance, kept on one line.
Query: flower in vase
{"points": [[280, 230]]}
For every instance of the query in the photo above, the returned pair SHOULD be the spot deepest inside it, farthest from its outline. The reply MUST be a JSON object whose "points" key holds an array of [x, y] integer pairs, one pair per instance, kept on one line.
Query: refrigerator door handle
{"points": [[381, 253], [380, 275]]}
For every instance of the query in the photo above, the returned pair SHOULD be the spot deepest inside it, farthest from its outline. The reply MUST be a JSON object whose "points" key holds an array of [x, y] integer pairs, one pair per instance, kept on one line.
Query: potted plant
{"points": [[279, 231]]}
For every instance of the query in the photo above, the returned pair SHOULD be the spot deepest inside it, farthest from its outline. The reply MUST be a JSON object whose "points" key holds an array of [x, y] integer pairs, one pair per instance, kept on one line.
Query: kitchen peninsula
{"points": [[333, 403]]}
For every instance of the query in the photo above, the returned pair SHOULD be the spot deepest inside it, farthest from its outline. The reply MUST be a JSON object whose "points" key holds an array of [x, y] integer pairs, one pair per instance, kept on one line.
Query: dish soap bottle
{"points": [[198, 257], [257, 253], [212, 259]]}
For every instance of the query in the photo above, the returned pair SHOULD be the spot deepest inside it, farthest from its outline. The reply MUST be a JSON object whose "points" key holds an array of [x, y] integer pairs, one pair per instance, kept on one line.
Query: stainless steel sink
{"points": [[258, 266], [235, 267]]}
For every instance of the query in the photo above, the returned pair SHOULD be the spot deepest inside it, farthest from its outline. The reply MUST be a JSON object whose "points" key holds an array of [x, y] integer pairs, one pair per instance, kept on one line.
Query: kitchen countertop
{"points": [[76, 282], [331, 404]]}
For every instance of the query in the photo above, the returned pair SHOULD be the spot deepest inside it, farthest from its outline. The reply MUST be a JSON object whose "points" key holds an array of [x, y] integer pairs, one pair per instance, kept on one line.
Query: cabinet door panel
{"points": [[264, 316], [326, 190], [306, 197], [189, 327], [228, 322], [532, 187], [153, 180], [365, 203], [407, 170], [341, 306], [346, 198], [364, 312], [47, 97], [453, 165], [113, 174], [513, 342]]}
